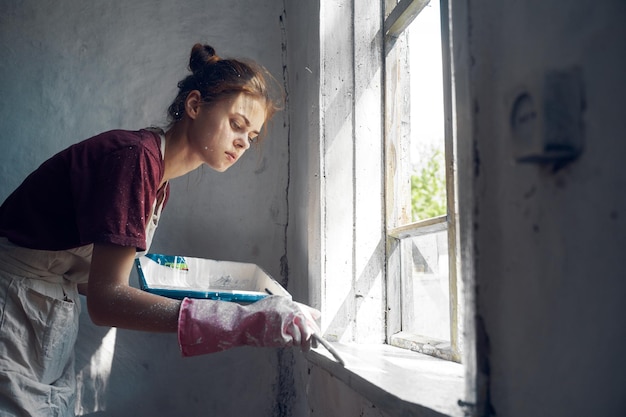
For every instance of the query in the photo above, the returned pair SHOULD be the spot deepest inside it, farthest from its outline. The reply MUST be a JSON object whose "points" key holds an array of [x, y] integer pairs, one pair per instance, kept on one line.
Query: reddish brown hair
{"points": [[217, 79]]}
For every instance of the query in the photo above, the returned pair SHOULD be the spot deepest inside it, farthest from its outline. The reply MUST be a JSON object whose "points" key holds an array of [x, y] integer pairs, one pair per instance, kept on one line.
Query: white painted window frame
{"points": [[400, 228], [359, 221], [347, 237]]}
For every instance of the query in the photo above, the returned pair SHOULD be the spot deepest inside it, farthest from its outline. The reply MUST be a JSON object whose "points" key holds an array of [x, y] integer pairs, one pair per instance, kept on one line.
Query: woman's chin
{"points": [[219, 168]]}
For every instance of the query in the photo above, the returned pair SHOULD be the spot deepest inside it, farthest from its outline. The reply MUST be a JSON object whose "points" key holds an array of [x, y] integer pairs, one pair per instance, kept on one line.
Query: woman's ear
{"points": [[192, 103]]}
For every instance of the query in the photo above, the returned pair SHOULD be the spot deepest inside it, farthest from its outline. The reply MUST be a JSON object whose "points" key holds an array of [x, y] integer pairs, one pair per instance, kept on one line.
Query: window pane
{"points": [[425, 286], [428, 185]]}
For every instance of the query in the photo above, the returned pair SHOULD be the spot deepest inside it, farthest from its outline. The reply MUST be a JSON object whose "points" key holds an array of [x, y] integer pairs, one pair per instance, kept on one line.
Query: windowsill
{"points": [[397, 381]]}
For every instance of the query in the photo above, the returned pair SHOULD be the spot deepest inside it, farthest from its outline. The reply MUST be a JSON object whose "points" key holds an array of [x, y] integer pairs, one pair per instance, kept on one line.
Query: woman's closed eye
{"points": [[242, 126], [236, 125]]}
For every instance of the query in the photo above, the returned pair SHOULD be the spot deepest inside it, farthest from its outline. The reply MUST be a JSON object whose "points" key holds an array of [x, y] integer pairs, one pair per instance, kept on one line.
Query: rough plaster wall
{"points": [[338, 399], [303, 76], [302, 42], [550, 242], [71, 69], [302, 31]]}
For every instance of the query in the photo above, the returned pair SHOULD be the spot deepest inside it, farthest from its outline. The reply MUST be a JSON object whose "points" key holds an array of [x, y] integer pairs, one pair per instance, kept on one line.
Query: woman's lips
{"points": [[231, 156]]}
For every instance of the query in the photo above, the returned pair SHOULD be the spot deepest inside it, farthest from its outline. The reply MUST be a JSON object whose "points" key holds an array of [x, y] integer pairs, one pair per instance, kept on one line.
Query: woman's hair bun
{"points": [[218, 79], [201, 56]]}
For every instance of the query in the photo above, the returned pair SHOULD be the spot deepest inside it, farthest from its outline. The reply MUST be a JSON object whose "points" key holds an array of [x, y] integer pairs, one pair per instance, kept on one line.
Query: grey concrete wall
{"points": [[71, 69], [303, 75], [550, 239]]}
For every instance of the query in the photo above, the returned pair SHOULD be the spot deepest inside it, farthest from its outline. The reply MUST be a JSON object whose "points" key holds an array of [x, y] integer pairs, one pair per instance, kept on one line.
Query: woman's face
{"points": [[222, 132]]}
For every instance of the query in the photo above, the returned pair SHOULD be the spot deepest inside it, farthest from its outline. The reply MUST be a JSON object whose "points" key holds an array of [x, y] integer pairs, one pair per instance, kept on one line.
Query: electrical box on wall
{"points": [[546, 117]]}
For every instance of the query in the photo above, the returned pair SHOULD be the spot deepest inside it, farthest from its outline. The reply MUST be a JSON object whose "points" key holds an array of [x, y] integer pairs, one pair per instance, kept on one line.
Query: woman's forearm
{"points": [[111, 301], [131, 308]]}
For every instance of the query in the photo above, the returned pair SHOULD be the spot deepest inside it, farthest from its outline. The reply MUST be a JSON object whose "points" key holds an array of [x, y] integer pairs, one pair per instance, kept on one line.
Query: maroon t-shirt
{"points": [[100, 190]]}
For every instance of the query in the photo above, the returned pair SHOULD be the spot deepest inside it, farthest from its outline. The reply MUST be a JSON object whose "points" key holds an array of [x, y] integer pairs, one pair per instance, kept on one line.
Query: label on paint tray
{"points": [[171, 261]]}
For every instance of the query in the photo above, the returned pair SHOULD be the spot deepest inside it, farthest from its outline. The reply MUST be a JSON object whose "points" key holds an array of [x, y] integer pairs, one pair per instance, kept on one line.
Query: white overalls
{"points": [[39, 312]]}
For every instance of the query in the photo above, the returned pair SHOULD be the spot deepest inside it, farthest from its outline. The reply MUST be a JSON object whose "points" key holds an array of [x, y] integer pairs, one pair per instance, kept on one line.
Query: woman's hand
{"points": [[207, 326]]}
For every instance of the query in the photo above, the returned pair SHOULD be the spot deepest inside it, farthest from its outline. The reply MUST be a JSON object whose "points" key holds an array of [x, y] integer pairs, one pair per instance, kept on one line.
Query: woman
{"points": [[82, 217]]}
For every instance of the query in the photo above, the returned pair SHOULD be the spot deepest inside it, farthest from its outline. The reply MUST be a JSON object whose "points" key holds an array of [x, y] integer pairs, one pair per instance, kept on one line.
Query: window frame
{"points": [[342, 130], [399, 227]]}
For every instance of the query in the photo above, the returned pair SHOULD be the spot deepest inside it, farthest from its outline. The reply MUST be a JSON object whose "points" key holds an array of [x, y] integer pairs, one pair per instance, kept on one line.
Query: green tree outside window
{"points": [[428, 188]]}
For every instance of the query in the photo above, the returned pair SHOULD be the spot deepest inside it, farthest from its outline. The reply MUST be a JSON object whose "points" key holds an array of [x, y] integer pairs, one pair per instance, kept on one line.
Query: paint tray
{"points": [[183, 276]]}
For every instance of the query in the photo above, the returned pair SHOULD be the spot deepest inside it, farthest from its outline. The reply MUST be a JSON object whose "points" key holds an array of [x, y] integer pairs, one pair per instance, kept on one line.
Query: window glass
{"points": [[428, 184], [426, 289]]}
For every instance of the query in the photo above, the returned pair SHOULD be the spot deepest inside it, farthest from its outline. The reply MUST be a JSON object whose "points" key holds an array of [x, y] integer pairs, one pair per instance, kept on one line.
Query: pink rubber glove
{"points": [[207, 326]]}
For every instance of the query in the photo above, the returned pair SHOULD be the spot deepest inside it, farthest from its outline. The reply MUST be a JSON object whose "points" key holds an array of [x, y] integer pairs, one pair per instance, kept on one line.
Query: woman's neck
{"points": [[179, 159]]}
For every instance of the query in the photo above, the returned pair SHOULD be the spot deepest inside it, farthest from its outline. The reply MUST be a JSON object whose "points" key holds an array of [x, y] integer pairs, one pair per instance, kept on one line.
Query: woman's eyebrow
{"points": [[245, 119]]}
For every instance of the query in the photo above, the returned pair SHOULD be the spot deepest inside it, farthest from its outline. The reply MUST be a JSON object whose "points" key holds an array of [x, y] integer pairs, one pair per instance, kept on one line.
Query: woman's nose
{"points": [[242, 142]]}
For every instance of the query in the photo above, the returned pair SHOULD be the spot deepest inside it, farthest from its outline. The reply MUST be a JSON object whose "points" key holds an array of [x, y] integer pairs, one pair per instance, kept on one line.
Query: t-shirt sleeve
{"points": [[116, 199]]}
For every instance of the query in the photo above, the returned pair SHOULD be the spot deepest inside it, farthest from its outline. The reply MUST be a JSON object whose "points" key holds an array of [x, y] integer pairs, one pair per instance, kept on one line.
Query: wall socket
{"points": [[546, 117]]}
